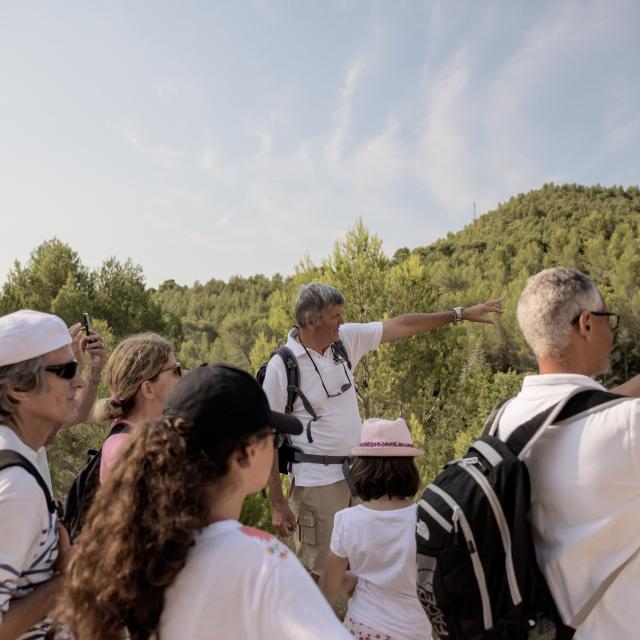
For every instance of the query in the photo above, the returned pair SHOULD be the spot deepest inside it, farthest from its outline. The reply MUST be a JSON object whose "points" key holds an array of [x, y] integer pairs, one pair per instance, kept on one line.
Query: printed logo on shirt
{"points": [[274, 548]]}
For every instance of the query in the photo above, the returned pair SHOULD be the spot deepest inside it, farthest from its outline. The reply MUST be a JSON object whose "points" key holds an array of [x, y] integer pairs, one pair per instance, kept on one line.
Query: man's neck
{"points": [[549, 364], [309, 340]]}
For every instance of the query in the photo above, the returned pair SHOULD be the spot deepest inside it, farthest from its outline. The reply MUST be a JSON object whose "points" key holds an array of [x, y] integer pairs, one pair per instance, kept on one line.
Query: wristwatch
{"points": [[457, 314]]}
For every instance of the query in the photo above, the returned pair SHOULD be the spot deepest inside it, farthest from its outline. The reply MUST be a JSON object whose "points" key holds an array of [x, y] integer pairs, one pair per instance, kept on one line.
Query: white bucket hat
{"points": [[386, 438], [27, 334]]}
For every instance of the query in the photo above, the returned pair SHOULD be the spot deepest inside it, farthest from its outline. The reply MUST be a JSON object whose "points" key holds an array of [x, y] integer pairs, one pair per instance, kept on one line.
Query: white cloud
{"points": [[335, 144], [162, 154]]}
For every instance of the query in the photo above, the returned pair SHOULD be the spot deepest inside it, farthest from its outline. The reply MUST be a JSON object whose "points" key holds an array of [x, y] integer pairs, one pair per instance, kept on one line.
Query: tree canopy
{"points": [[444, 383]]}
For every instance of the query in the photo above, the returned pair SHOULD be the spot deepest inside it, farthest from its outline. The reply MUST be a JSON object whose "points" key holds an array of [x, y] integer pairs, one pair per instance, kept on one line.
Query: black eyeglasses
{"points": [[345, 387], [278, 437], [614, 318], [67, 370]]}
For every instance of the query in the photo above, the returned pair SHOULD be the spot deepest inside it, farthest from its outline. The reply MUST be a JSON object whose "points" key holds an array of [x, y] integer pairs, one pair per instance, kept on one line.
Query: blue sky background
{"points": [[205, 139]]}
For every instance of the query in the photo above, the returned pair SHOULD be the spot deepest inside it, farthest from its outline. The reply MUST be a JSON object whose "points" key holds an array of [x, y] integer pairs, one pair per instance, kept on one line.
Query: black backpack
{"points": [[85, 486], [10, 458], [477, 572], [289, 454]]}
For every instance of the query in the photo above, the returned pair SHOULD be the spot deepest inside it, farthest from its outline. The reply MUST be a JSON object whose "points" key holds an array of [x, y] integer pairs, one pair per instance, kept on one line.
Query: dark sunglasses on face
{"points": [[67, 370]]}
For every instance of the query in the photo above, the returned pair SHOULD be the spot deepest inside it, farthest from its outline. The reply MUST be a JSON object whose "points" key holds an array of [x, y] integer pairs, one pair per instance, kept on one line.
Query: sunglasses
{"points": [[176, 369], [67, 370]]}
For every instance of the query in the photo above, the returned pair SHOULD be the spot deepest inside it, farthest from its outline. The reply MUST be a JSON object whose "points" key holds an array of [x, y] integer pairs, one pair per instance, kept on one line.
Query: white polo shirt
{"points": [[585, 503], [338, 429]]}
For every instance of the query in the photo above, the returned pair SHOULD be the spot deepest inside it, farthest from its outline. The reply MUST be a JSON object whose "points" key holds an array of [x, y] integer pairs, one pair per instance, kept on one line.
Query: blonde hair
{"points": [[137, 358]]}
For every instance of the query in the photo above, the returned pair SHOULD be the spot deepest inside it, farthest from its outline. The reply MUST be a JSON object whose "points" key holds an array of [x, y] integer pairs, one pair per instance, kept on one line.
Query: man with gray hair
{"points": [[327, 351], [585, 474], [39, 379]]}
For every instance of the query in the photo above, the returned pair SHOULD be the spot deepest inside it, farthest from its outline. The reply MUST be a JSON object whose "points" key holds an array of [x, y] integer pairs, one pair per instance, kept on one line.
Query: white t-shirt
{"points": [[381, 548], [585, 504], [240, 583], [28, 532], [338, 429]]}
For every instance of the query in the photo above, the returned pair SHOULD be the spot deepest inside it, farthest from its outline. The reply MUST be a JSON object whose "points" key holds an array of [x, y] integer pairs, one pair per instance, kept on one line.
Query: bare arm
{"points": [[282, 517], [27, 611], [412, 324], [336, 577], [93, 347], [629, 388]]}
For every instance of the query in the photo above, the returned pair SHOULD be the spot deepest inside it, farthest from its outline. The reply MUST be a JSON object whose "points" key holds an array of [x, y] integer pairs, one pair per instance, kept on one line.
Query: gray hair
{"points": [[312, 299], [549, 303], [28, 375]]}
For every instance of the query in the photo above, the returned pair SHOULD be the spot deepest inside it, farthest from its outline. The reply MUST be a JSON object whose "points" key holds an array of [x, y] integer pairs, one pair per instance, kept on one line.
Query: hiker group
{"points": [[533, 533]]}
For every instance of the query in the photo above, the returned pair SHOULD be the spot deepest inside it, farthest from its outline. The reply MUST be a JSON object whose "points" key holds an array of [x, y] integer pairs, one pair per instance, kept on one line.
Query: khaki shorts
{"points": [[314, 508]]}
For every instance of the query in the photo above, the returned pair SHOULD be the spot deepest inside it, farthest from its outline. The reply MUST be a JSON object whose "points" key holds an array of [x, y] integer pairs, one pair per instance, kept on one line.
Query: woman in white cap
{"points": [[39, 379], [373, 547], [163, 554]]}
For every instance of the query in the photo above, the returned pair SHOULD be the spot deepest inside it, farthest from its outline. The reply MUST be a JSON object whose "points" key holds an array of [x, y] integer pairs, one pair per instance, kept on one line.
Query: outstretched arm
{"points": [[412, 324]]}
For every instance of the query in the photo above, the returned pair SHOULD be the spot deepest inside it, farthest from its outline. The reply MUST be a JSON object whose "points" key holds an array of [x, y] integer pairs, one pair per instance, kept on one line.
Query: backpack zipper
{"points": [[458, 517], [503, 527]]}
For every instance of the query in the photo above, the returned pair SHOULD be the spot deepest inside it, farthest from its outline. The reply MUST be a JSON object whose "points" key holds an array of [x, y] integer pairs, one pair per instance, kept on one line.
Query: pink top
{"points": [[111, 449]]}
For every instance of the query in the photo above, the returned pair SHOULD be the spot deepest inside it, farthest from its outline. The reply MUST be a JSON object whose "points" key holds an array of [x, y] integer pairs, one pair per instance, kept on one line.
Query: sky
{"points": [[205, 139]]}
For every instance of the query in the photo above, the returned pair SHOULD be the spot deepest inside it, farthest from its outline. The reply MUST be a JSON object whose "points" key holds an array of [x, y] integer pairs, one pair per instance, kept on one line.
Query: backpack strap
{"points": [[579, 403], [339, 352], [293, 387], [588, 606], [9, 458], [494, 417]]}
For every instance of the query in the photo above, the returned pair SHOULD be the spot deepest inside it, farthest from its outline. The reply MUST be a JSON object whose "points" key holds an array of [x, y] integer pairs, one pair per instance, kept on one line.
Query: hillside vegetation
{"points": [[444, 383]]}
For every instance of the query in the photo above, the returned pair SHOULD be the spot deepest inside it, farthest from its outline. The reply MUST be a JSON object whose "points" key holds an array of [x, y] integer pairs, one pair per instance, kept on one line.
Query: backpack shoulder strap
{"points": [[340, 351], [293, 375], [9, 458], [494, 417], [293, 386], [579, 403], [119, 427]]}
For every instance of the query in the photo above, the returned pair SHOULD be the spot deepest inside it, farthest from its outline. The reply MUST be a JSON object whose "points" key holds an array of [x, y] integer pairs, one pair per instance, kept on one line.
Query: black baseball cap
{"points": [[226, 400]]}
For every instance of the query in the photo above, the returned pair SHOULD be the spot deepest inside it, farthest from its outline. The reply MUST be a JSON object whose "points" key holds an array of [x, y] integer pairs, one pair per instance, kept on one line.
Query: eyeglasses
{"points": [[345, 387], [176, 369], [67, 370], [278, 437], [613, 318]]}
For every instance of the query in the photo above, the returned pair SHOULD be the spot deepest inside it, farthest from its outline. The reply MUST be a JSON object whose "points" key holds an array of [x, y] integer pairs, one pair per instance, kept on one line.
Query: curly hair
{"points": [[134, 360], [139, 529]]}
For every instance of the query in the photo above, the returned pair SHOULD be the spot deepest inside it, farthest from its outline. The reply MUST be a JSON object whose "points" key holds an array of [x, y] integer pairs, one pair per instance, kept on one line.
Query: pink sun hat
{"points": [[386, 438]]}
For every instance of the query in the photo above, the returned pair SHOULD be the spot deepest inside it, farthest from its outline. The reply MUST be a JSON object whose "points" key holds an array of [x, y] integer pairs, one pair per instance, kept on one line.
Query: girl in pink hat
{"points": [[373, 548]]}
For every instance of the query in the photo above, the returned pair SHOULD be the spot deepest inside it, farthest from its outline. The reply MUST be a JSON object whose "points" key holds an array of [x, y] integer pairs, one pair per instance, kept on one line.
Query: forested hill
{"points": [[444, 383], [594, 229]]}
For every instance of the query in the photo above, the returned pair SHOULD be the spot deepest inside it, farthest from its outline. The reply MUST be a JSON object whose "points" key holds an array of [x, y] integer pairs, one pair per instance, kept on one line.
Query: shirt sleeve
{"points": [[110, 451], [295, 609], [275, 384], [337, 545], [360, 338], [22, 504]]}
